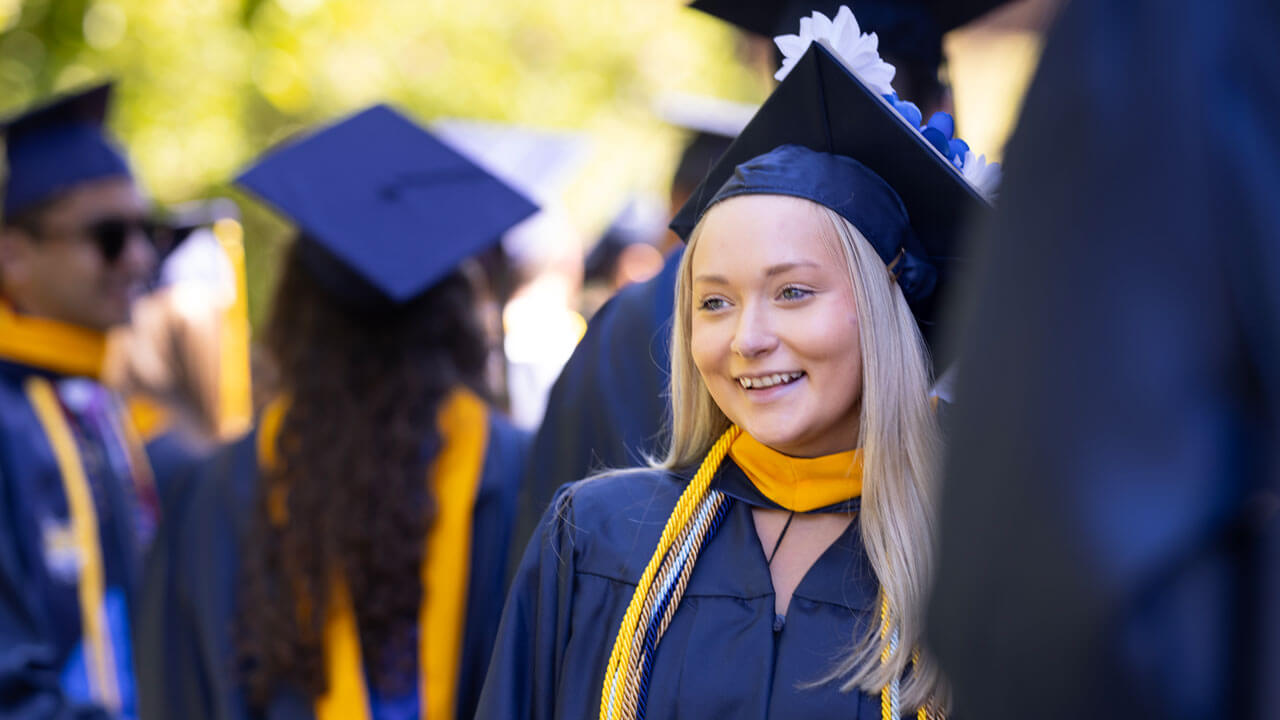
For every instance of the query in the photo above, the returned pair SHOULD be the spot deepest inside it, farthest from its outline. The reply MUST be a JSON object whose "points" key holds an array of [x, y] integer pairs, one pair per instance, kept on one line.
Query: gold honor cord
{"points": [[615, 678], [890, 704], [619, 693], [99, 654]]}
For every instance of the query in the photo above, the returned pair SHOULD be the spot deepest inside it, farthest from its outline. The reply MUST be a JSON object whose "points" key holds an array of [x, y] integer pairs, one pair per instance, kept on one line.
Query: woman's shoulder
{"points": [[637, 494], [611, 522]]}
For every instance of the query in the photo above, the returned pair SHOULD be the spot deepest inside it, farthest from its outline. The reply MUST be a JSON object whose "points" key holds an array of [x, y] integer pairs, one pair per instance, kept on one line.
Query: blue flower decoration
{"points": [[940, 133]]}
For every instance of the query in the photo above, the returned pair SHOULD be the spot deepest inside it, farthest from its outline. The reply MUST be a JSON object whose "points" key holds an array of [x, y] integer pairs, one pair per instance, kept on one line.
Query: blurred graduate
{"points": [[182, 363], [774, 563], [77, 502], [346, 558], [607, 407]]}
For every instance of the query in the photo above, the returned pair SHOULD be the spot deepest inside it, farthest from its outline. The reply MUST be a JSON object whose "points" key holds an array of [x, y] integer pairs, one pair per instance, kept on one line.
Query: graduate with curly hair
{"points": [[346, 559]]}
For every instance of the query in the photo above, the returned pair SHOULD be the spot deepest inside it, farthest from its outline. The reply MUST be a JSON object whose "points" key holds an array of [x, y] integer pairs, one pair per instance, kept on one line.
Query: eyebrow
{"points": [[789, 266], [771, 271]]}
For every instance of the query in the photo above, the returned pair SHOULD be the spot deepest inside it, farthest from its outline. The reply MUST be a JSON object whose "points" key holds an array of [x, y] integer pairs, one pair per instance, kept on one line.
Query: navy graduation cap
{"points": [[905, 24], [825, 136], [384, 209], [58, 145]]}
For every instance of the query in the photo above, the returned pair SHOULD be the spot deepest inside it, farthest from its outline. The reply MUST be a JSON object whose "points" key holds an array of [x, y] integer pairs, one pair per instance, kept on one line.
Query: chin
{"points": [[781, 439], [112, 318]]}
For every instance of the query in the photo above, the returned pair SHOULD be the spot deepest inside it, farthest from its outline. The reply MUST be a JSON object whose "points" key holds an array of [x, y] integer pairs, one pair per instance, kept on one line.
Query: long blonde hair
{"points": [[901, 445]]}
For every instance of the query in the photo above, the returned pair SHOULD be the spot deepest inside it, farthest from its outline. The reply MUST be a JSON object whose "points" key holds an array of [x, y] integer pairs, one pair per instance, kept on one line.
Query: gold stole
{"points": [[100, 659], [799, 484], [454, 476], [68, 349], [57, 346]]}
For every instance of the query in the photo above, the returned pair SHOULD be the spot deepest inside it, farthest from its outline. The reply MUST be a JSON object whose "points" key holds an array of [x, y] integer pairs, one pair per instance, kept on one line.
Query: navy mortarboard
{"points": [[58, 145], [909, 29], [384, 209], [850, 144], [909, 32]]}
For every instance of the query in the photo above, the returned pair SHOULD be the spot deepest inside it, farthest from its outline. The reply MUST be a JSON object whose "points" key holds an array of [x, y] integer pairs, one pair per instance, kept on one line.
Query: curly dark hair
{"points": [[353, 450]]}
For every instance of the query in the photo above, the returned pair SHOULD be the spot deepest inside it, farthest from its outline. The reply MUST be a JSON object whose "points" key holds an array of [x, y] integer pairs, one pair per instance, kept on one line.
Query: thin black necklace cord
{"points": [[781, 535]]}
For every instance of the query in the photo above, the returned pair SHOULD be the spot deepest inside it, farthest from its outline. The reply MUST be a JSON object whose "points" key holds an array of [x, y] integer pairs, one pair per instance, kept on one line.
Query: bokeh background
{"points": [[205, 85]]}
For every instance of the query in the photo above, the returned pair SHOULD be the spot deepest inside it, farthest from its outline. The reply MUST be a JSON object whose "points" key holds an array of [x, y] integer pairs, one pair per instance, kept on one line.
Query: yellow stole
{"points": [[57, 346], [454, 476], [235, 394], [799, 484], [91, 586], [68, 349]]}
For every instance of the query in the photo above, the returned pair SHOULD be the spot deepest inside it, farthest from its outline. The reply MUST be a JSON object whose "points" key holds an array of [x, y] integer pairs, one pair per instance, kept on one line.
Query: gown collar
{"points": [[768, 478], [56, 347]]}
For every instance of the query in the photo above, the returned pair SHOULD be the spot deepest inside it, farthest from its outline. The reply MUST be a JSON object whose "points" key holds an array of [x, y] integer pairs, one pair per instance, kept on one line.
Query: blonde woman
{"points": [[775, 563]]}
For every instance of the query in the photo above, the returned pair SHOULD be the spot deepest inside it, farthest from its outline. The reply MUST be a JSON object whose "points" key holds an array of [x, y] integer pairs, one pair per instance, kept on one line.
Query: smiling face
{"points": [[774, 326]]}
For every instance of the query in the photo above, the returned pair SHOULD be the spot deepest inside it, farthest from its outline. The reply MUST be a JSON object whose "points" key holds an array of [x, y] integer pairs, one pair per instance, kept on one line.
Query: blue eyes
{"points": [[790, 293]]}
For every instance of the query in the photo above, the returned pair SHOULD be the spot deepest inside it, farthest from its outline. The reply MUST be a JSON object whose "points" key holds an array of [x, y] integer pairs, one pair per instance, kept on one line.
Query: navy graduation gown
{"points": [[42, 650], [186, 652], [609, 405], [174, 458], [725, 654]]}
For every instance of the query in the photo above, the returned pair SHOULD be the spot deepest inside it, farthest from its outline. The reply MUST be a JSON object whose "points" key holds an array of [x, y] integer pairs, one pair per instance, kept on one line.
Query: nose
{"points": [[139, 255], [754, 335]]}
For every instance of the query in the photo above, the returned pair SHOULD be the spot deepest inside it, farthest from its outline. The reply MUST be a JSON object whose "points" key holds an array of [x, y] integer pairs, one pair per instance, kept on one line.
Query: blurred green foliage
{"points": [[204, 85]]}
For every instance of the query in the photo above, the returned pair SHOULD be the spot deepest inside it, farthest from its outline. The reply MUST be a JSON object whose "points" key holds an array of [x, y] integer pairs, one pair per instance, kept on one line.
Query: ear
{"points": [[16, 251]]}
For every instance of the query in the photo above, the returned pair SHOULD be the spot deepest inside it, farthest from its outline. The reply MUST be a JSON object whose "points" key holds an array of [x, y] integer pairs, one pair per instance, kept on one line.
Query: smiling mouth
{"points": [[767, 381]]}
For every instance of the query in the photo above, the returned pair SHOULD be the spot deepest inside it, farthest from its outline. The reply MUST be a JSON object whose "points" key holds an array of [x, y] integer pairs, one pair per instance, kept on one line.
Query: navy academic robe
{"points": [[609, 406], [43, 663], [186, 651], [725, 655]]}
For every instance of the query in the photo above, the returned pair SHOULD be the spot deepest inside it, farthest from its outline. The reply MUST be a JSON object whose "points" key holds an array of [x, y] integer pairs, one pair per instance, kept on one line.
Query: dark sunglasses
{"points": [[113, 233]]}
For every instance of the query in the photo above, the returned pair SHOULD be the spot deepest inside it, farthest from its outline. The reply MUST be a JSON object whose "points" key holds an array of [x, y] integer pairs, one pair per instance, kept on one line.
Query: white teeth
{"points": [[767, 381]]}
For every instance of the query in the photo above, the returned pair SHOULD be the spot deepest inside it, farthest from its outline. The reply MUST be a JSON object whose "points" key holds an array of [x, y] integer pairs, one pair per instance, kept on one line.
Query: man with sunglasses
{"points": [[77, 499]]}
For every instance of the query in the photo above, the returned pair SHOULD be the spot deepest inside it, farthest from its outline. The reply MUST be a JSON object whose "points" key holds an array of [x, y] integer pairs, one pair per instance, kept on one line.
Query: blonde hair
{"points": [[901, 445]]}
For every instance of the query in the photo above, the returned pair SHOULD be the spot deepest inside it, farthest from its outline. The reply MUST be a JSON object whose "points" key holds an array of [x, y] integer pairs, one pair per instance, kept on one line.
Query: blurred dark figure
{"points": [[1110, 545], [609, 405], [182, 362], [626, 253]]}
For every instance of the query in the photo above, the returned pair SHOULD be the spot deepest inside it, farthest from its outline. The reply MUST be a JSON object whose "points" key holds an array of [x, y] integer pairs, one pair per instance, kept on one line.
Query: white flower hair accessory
{"points": [[859, 52]]}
